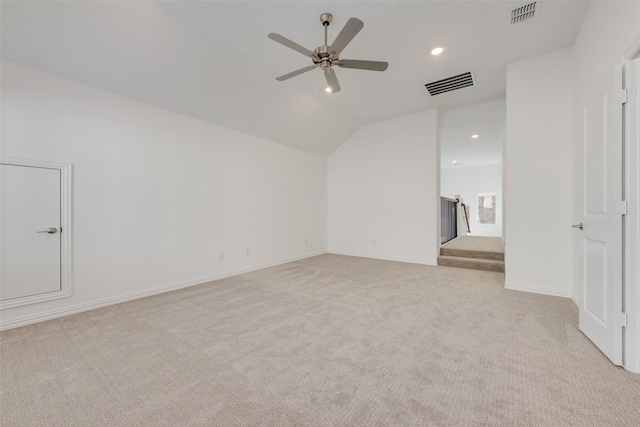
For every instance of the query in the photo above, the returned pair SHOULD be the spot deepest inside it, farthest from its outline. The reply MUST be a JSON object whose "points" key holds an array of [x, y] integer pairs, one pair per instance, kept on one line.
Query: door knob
{"points": [[578, 226], [50, 230]]}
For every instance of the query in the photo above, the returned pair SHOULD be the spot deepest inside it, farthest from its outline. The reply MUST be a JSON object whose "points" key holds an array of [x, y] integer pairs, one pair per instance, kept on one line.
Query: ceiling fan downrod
{"points": [[324, 57], [326, 19]]}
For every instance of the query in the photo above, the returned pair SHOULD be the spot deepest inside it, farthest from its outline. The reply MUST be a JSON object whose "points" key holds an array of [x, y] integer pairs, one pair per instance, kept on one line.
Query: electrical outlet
{"points": [[247, 251], [221, 254]]}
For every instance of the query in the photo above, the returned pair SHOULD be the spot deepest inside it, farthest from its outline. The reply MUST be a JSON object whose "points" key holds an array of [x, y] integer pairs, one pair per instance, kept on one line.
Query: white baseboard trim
{"points": [[359, 255], [538, 290], [54, 314]]}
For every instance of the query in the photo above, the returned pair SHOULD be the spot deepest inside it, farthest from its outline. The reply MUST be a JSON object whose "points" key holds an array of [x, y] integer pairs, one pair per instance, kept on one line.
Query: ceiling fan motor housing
{"points": [[324, 58]]}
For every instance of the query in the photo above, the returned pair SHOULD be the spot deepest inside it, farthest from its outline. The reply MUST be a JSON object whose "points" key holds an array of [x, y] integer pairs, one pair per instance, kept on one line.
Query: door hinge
{"points": [[621, 207], [623, 319], [622, 96]]}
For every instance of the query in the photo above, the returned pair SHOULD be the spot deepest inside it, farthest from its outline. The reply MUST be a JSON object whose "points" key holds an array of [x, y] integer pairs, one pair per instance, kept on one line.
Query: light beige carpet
{"points": [[327, 341]]}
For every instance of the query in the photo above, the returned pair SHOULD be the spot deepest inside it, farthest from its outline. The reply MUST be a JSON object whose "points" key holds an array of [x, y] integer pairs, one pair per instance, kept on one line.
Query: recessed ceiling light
{"points": [[328, 89], [475, 135], [437, 51]]}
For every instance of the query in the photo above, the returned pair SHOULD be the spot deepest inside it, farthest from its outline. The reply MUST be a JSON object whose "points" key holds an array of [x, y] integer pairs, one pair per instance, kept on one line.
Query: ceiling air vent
{"points": [[450, 83], [523, 13]]}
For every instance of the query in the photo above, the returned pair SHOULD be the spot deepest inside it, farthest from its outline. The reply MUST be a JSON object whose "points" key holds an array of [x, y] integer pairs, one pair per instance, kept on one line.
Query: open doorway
{"points": [[471, 186]]}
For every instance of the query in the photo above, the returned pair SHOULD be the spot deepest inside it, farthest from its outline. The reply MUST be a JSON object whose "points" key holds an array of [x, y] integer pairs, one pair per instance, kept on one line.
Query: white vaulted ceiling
{"points": [[487, 120], [212, 59]]}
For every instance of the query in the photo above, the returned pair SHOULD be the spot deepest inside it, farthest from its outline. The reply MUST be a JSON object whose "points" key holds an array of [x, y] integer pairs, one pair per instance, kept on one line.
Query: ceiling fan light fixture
{"points": [[328, 89], [437, 51]]}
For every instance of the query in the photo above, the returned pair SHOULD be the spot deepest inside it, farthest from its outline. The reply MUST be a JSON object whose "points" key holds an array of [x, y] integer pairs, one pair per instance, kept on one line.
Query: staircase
{"points": [[478, 253]]}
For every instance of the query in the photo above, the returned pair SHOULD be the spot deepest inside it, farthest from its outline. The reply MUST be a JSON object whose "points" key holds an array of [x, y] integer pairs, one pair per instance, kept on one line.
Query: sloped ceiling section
{"points": [[213, 60], [487, 120]]}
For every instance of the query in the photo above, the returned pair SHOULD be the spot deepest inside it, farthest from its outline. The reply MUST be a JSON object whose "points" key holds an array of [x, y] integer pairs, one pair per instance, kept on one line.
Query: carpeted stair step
{"points": [[473, 263], [468, 253]]}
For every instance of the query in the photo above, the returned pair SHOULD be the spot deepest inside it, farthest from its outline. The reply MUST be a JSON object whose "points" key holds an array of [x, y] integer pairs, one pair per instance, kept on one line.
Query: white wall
{"points": [[158, 195], [384, 191], [469, 182], [538, 174], [607, 33]]}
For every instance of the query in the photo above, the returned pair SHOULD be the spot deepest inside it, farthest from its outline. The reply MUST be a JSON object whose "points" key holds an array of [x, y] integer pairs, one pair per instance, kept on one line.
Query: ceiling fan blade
{"points": [[288, 43], [349, 31], [332, 80], [295, 73], [363, 65]]}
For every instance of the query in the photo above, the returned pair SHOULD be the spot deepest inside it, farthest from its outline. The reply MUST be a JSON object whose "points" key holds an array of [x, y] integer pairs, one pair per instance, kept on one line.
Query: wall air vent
{"points": [[450, 83], [524, 13]]}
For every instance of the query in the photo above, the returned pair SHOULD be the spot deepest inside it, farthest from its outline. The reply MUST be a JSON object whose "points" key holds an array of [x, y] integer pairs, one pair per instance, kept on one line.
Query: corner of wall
{"points": [[383, 190]]}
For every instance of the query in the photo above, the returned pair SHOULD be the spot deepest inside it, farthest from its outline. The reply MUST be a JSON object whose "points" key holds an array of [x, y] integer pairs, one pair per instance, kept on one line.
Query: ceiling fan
{"points": [[325, 56]]}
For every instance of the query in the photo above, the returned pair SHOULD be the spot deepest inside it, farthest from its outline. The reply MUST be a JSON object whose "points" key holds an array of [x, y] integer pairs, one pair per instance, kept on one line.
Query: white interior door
{"points": [[601, 238], [30, 231]]}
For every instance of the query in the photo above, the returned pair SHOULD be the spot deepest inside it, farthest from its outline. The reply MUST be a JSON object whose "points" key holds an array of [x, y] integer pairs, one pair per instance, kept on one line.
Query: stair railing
{"points": [[465, 213]]}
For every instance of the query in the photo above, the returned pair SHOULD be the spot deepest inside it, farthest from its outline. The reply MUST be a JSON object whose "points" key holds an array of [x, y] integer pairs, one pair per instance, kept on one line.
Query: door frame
{"points": [[631, 221], [65, 232]]}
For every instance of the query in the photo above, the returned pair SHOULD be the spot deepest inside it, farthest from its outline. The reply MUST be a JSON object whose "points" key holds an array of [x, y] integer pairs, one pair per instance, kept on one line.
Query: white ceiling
{"points": [[488, 121], [212, 59]]}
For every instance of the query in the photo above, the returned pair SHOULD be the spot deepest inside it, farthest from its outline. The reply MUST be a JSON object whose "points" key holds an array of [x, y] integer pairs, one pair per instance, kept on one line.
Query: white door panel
{"points": [[31, 263], [595, 262], [601, 237]]}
